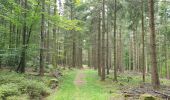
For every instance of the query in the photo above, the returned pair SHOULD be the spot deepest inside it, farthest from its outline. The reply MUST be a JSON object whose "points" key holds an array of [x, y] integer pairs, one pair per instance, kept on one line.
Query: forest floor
{"points": [[86, 85], [81, 85]]}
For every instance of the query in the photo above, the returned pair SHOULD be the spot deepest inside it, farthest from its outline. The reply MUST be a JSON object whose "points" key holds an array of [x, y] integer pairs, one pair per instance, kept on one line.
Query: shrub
{"points": [[31, 85], [8, 90], [10, 77], [34, 88], [53, 83]]}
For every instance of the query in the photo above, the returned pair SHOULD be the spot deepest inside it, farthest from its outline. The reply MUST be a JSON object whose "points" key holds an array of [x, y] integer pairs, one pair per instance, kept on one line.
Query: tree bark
{"points": [[22, 63], [48, 37], [107, 45], [99, 45], [154, 76], [115, 63], [103, 42], [42, 40], [143, 43]]}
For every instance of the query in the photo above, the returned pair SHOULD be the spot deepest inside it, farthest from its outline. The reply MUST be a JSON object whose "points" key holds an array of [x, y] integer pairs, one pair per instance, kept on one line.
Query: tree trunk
{"points": [[48, 37], [143, 44], [154, 76], [99, 45], [22, 63], [42, 39], [103, 42], [120, 51], [115, 63], [54, 56], [107, 51]]}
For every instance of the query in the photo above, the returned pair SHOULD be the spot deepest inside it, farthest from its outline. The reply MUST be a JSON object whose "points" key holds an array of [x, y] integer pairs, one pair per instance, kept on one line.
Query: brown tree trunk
{"points": [[22, 63], [54, 56], [103, 42], [120, 51], [115, 63], [134, 50], [48, 37], [42, 40], [107, 47], [99, 45], [143, 44], [154, 76]]}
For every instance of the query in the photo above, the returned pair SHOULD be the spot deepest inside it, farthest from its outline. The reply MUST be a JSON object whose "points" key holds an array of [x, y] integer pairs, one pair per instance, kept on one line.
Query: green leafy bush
{"points": [[11, 77], [34, 88], [8, 90], [53, 83]]}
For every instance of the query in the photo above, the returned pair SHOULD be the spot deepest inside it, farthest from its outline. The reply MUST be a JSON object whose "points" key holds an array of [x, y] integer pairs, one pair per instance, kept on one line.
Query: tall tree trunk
{"points": [[154, 76], [166, 45], [103, 42], [54, 57], [134, 50], [48, 37], [99, 45], [107, 47], [115, 64], [22, 63], [120, 51], [143, 43], [42, 39]]}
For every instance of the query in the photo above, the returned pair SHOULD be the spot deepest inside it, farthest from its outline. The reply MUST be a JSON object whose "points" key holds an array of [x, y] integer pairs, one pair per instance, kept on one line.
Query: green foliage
{"points": [[13, 84], [34, 88], [8, 89], [21, 97], [10, 57], [53, 83], [10, 77]]}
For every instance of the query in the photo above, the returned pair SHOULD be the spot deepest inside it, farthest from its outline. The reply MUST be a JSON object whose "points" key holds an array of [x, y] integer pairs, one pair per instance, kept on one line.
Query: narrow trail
{"points": [[79, 79], [81, 84]]}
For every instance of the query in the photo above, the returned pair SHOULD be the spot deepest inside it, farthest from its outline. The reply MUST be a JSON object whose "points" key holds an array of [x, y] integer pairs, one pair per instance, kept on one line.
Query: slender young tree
{"points": [[154, 75]]}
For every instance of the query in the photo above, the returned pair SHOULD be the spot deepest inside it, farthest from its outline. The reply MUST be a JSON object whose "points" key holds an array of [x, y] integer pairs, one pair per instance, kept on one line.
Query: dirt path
{"points": [[81, 85], [79, 79]]}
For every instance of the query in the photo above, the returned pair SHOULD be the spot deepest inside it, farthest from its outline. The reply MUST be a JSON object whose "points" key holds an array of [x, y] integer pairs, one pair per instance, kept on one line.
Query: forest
{"points": [[84, 49]]}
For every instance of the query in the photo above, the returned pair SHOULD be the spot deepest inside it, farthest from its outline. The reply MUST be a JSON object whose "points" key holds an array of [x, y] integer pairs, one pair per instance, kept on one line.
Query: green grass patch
{"points": [[91, 90], [94, 89]]}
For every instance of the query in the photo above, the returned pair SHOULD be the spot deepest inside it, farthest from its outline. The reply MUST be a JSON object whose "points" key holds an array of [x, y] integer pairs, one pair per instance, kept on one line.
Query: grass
{"points": [[94, 89], [91, 90]]}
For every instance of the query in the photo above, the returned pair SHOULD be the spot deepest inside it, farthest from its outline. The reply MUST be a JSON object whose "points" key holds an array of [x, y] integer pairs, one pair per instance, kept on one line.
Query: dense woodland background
{"points": [[111, 36]]}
